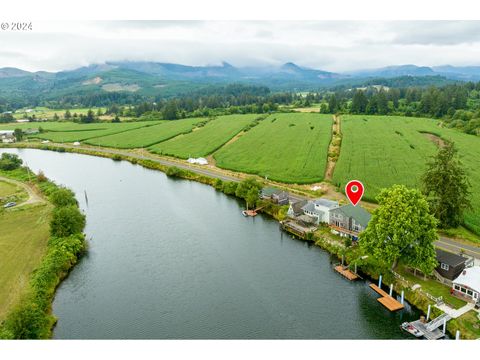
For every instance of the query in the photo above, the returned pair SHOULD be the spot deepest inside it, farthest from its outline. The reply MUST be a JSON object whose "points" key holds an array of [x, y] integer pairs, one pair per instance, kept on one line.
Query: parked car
{"points": [[9, 204]]}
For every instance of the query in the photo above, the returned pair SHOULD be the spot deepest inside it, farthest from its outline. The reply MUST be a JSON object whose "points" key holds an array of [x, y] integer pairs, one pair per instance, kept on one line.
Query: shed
{"points": [[468, 283], [450, 265]]}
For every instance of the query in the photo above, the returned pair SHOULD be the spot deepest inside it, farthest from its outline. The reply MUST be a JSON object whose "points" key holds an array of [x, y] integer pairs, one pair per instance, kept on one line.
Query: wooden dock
{"points": [[346, 273], [429, 334], [386, 300]]}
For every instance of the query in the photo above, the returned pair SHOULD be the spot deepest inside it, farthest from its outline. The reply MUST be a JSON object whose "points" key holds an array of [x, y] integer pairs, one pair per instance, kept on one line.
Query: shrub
{"points": [[66, 221], [10, 162], [63, 197]]}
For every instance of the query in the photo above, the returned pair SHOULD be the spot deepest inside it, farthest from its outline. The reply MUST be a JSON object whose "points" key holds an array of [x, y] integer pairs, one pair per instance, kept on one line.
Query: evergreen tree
{"points": [[359, 102], [446, 185]]}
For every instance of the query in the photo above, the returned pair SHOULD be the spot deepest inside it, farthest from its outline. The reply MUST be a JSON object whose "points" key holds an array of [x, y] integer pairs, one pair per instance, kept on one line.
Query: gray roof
{"points": [[449, 258], [326, 203], [298, 205], [310, 206], [358, 213]]}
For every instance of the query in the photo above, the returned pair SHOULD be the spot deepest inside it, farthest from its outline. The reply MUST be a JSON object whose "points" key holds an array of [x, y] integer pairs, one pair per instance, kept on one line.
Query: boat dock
{"points": [[346, 273], [386, 300]]}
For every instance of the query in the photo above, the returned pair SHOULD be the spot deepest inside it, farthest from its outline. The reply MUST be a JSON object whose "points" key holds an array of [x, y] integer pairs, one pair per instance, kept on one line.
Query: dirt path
{"points": [[334, 148], [33, 196], [437, 140]]}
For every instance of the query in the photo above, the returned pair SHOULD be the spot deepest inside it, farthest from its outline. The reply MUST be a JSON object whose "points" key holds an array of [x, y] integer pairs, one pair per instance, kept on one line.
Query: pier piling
{"points": [[380, 281], [402, 298], [391, 290], [428, 312], [457, 335]]}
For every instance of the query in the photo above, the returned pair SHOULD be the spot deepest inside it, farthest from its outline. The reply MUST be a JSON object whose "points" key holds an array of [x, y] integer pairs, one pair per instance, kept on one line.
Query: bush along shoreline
{"points": [[32, 317], [369, 268]]}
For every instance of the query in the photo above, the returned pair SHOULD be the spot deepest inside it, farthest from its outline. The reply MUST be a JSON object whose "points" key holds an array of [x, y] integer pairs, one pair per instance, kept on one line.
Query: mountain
{"points": [[135, 80], [395, 71]]}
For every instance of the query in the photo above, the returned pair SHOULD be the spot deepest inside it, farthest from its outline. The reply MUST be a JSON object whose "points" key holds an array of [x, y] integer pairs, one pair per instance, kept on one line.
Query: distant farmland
{"points": [[285, 147], [205, 140], [386, 150], [82, 132], [147, 136]]}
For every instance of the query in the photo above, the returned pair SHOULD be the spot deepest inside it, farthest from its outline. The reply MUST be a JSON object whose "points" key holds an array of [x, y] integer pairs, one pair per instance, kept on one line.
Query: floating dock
{"points": [[346, 273], [386, 300], [434, 334]]}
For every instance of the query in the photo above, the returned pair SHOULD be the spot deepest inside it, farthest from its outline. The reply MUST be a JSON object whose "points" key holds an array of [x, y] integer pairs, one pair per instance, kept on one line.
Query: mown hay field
{"points": [[291, 148], [205, 140], [384, 150], [21, 250], [148, 136]]}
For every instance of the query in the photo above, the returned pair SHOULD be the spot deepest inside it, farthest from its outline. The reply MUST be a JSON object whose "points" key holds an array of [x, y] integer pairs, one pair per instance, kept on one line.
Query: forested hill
{"points": [[134, 82]]}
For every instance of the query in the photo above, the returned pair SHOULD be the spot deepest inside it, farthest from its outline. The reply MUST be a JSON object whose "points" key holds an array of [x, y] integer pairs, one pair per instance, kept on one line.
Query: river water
{"points": [[175, 259]]}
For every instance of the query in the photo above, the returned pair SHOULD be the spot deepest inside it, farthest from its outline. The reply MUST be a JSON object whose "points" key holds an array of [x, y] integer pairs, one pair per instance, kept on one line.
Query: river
{"points": [[175, 259]]}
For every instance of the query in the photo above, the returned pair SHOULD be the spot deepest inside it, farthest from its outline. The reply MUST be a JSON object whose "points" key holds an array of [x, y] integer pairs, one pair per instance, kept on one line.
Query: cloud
{"points": [[329, 45]]}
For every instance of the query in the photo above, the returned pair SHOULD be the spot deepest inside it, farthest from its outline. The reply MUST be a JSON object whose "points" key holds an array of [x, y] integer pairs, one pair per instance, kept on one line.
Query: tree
{"points": [[66, 221], [18, 134], [67, 115], [170, 111], [446, 185], [10, 161], [56, 117], [402, 228], [359, 102], [245, 186], [333, 104], [116, 119], [63, 197], [252, 197]]}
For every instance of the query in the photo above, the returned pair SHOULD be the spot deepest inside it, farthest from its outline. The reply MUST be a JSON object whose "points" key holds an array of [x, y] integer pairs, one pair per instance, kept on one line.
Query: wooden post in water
{"points": [[428, 312], [380, 281], [403, 296], [355, 268], [391, 290], [457, 335], [343, 259]]}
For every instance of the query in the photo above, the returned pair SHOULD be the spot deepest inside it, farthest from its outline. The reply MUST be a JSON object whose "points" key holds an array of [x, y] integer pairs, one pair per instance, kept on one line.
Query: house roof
{"points": [[306, 219], [310, 206], [269, 191], [330, 204], [298, 205], [358, 213], [449, 258], [469, 277]]}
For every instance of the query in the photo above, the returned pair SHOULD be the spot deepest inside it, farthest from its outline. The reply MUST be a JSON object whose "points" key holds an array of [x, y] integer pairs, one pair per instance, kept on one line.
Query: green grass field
{"points": [[205, 140], [88, 131], [23, 241], [381, 151], [285, 147], [145, 137]]}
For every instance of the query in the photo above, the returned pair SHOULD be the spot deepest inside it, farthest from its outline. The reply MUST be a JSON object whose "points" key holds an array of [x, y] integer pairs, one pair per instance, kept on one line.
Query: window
{"points": [[444, 266], [463, 290], [457, 287], [470, 292]]}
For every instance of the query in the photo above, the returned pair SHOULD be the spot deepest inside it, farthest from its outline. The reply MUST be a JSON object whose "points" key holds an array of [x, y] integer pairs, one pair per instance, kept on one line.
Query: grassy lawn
{"points": [[291, 148], [205, 140], [23, 241], [386, 150], [147, 136], [469, 324], [11, 192], [433, 287]]}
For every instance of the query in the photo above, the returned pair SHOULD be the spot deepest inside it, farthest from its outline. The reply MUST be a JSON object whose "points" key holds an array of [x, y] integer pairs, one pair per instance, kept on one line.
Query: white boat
{"points": [[244, 213], [411, 329]]}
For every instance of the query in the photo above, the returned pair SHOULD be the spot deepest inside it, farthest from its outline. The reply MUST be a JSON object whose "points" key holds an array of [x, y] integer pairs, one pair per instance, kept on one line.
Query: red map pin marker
{"points": [[354, 190]]}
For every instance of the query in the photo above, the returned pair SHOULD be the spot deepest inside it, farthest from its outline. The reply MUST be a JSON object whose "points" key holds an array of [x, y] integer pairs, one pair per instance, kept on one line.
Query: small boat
{"points": [[411, 329], [244, 213]]}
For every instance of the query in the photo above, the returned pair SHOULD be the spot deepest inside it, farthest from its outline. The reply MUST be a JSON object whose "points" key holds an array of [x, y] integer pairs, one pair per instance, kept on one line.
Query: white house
{"points": [[7, 136], [467, 283], [320, 209]]}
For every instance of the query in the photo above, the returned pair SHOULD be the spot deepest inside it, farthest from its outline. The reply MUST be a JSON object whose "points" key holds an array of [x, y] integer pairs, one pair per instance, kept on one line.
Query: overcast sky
{"points": [[327, 45]]}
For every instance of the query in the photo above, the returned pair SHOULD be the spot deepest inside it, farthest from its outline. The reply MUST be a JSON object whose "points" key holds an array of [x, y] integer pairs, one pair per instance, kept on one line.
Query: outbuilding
{"points": [[450, 265]]}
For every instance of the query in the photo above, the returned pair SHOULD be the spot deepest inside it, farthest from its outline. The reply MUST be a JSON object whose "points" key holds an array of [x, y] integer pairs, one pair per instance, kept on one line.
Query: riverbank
{"points": [[323, 240], [57, 245]]}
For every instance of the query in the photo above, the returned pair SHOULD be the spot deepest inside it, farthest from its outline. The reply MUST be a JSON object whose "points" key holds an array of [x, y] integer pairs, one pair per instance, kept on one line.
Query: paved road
{"points": [[455, 246]]}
